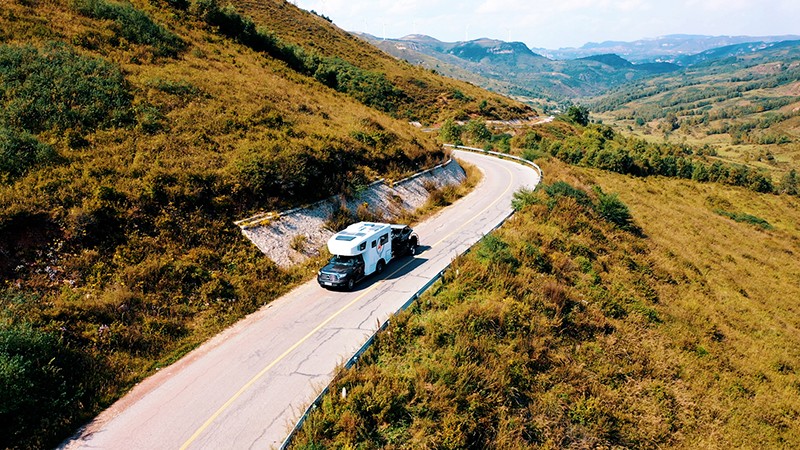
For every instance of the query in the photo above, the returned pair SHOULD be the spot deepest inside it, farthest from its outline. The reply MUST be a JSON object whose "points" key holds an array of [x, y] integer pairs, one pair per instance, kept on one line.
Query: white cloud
{"points": [[723, 6]]}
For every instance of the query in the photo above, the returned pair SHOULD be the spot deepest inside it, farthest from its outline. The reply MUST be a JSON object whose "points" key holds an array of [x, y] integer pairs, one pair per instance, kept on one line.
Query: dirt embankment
{"points": [[274, 235]]}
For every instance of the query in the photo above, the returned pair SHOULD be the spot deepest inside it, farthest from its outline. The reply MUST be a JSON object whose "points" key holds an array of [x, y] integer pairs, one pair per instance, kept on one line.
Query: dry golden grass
{"points": [[732, 313]]}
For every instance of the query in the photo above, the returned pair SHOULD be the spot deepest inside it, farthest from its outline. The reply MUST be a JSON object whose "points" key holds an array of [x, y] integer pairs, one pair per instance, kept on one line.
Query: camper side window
{"points": [[373, 244], [384, 239], [362, 246]]}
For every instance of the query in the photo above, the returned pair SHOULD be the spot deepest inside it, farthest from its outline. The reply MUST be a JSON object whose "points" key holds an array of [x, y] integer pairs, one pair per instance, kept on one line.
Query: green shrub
{"points": [[20, 151], [502, 143], [562, 189], [57, 88], [41, 385], [745, 218], [578, 115], [494, 251], [450, 132], [133, 25], [599, 147], [476, 132], [611, 208], [790, 184], [524, 198], [372, 89]]}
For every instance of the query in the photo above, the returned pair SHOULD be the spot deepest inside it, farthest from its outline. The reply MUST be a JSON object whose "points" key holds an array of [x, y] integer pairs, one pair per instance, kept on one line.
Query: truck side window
{"points": [[363, 246], [384, 239], [373, 244]]}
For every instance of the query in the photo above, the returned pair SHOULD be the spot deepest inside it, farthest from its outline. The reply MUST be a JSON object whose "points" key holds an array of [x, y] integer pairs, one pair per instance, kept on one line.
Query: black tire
{"points": [[379, 267], [350, 284], [412, 248]]}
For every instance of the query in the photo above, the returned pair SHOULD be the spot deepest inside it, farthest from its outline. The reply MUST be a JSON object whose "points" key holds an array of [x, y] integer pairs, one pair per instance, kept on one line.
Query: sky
{"points": [[556, 24]]}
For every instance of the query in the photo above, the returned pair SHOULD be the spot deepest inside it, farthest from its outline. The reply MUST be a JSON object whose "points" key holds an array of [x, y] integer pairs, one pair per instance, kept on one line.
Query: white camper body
{"points": [[372, 241]]}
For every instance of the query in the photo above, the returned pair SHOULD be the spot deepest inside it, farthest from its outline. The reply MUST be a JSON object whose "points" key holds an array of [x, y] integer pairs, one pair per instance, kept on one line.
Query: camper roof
{"points": [[347, 241]]}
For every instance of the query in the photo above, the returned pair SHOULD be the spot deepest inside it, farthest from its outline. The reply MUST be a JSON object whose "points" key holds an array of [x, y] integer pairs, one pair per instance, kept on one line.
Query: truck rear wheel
{"points": [[379, 267], [412, 247]]}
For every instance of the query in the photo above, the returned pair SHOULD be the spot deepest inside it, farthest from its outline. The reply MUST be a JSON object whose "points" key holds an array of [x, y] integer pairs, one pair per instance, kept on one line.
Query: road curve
{"points": [[247, 386]]}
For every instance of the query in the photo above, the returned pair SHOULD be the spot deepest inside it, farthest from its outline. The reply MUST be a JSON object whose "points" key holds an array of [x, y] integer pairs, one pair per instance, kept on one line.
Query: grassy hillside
{"points": [[132, 135], [577, 325], [746, 107], [430, 97]]}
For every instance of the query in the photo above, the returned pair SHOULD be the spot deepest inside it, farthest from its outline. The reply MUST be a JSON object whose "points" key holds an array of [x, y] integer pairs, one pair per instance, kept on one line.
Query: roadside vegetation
{"points": [[569, 329], [600, 146]]}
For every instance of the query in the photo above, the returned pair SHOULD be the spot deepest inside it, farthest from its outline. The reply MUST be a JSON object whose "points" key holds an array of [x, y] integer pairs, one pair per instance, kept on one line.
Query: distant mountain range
{"points": [[514, 69], [670, 48], [543, 77]]}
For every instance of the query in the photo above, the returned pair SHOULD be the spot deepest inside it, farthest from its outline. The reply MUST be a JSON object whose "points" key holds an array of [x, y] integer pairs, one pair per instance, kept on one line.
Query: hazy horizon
{"points": [[654, 38], [563, 24]]}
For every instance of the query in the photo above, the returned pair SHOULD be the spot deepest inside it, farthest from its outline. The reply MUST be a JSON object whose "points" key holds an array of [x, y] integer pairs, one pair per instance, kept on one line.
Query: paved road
{"points": [[247, 386]]}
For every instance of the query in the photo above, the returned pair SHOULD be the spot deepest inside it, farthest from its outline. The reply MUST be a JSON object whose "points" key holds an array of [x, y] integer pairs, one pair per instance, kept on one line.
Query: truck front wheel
{"points": [[350, 284]]}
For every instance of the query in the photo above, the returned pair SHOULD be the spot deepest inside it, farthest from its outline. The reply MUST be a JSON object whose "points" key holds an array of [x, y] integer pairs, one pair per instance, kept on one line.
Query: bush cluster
{"points": [[19, 151], [745, 218], [44, 383], [600, 147], [474, 132], [54, 88], [372, 89], [607, 206], [297, 174], [132, 25], [57, 88]]}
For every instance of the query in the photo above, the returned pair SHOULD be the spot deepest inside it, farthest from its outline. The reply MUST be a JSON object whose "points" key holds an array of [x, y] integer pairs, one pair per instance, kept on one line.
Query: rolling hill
{"points": [[742, 101], [515, 69]]}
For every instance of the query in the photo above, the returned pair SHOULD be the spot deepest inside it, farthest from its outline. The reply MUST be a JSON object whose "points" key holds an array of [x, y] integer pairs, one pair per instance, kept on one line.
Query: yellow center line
{"points": [[297, 344]]}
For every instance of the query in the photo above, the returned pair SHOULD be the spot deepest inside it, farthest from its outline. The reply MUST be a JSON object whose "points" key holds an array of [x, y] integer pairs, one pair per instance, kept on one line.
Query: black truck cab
{"points": [[342, 271]]}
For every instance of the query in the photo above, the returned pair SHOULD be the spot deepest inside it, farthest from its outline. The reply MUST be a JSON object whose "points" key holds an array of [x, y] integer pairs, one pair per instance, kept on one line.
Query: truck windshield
{"points": [[344, 260]]}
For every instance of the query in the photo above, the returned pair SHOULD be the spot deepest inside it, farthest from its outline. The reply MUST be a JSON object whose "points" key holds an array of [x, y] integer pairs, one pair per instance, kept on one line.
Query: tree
{"points": [[450, 132], [578, 114], [789, 183], [611, 208], [476, 132]]}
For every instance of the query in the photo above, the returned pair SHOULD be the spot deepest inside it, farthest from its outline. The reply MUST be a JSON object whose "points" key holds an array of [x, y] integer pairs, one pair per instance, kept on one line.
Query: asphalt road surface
{"points": [[247, 387]]}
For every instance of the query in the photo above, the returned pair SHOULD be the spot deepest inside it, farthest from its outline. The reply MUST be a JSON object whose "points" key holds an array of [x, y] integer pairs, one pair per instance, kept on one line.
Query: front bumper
{"points": [[328, 280]]}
